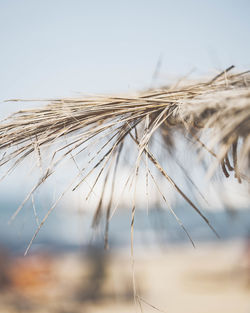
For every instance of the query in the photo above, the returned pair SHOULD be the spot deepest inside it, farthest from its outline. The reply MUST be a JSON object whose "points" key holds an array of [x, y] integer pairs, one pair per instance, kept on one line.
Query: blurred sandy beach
{"points": [[214, 277], [68, 270]]}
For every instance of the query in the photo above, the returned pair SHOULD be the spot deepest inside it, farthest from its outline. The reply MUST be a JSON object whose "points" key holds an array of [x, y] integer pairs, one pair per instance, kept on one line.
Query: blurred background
{"points": [[55, 49]]}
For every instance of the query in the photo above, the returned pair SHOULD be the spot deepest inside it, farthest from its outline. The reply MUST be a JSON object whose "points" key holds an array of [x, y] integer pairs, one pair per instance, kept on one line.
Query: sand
{"points": [[214, 277]]}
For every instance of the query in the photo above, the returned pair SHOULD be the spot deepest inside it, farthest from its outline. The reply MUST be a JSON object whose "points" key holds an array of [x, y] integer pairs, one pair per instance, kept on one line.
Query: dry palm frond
{"points": [[219, 107]]}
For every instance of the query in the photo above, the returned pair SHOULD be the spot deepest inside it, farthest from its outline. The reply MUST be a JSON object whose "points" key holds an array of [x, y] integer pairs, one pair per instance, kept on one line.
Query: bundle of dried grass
{"points": [[219, 107]]}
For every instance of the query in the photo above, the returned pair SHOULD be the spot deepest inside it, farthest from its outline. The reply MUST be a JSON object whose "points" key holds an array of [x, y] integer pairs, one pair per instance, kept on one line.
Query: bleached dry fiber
{"points": [[220, 107]]}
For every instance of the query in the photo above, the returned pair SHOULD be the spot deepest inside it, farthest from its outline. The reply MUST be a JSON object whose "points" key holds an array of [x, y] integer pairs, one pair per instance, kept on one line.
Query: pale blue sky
{"points": [[58, 48], [53, 48]]}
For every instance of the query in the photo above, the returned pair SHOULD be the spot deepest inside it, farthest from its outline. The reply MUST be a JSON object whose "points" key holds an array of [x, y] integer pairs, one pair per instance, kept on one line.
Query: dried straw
{"points": [[219, 107]]}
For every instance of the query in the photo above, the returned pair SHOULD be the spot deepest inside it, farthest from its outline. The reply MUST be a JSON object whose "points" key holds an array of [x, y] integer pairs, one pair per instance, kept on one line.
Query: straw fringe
{"points": [[219, 107]]}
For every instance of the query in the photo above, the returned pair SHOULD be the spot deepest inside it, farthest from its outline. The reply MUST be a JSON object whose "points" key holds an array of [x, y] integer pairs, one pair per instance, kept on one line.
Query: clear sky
{"points": [[57, 48]]}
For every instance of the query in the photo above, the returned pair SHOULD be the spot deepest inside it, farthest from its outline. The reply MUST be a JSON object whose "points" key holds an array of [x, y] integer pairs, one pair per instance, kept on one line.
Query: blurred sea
{"points": [[67, 229]]}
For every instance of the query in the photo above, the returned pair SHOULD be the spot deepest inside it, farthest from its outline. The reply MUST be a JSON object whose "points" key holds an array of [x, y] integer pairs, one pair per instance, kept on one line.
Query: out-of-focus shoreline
{"points": [[67, 230]]}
